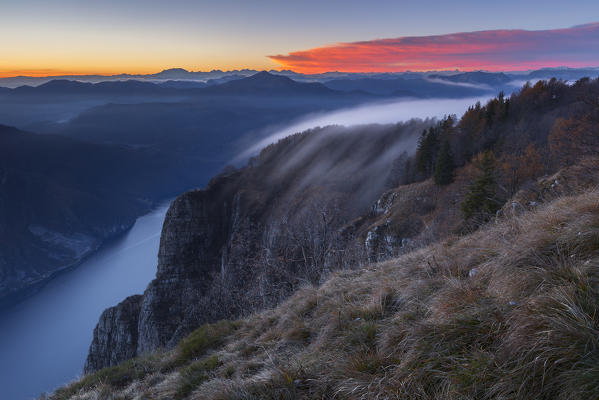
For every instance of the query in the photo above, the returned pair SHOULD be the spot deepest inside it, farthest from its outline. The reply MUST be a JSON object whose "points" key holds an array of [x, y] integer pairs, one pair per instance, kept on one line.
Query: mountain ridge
{"points": [[180, 73]]}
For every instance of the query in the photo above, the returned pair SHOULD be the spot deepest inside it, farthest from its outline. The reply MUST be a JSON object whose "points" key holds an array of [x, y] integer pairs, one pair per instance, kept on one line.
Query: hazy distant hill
{"points": [[564, 73], [266, 83], [180, 74], [492, 79], [71, 87], [182, 84], [418, 87], [209, 122]]}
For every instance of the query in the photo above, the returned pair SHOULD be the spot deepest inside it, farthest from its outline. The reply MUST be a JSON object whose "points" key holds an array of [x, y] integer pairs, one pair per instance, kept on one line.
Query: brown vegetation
{"points": [[510, 311]]}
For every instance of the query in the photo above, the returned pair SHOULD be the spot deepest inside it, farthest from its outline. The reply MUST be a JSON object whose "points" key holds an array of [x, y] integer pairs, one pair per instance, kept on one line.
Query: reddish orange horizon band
{"points": [[494, 50], [12, 73]]}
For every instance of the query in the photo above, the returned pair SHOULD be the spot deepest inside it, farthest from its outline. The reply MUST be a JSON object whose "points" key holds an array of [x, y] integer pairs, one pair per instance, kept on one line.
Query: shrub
{"points": [[204, 338], [195, 374], [115, 377]]}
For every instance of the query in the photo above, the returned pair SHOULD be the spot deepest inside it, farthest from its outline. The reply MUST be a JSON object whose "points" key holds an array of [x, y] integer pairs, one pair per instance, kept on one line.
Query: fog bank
{"points": [[398, 110]]}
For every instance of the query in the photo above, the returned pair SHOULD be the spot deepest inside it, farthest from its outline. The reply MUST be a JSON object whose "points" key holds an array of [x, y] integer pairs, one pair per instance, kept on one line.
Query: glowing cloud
{"points": [[493, 50]]}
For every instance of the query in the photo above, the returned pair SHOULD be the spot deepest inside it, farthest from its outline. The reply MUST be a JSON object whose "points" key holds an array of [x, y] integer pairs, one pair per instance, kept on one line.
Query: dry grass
{"points": [[510, 311]]}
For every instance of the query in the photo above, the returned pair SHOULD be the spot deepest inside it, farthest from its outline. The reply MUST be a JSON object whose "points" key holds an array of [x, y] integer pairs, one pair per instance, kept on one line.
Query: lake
{"points": [[44, 340]]}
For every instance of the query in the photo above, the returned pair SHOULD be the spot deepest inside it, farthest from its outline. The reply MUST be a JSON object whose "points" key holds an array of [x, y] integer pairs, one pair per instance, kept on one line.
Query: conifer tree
{"points": [[481, 201], [445, 166], [427, 151]]}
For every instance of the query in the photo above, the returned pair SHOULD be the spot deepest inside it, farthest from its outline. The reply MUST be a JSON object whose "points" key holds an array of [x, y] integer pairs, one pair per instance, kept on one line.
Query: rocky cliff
{"points": [[255, 235], [510, 311], [115, 336]]}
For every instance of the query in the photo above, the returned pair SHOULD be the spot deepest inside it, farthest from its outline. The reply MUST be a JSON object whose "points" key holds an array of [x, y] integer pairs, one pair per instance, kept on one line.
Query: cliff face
{"points": [[255, 235], [195, 229], [509, 311], [115, 336]]}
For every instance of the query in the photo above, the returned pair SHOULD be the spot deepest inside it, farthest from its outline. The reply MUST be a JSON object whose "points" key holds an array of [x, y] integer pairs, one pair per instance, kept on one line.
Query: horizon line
{"points": [[281, 70]]}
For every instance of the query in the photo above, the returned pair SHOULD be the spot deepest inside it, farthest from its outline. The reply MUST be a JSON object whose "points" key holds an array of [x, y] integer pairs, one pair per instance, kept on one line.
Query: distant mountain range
{"points": [[259, 83], [219, 76]]}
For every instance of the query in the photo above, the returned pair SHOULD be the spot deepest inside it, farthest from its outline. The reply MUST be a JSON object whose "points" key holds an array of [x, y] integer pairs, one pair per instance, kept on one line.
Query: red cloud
{"points": [[487, 50]]}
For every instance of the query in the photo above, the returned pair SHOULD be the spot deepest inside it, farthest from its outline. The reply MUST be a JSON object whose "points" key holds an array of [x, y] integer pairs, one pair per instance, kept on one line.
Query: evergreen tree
{"points": [[422, 152], [427, 151], [445, 166], [481, 201]]}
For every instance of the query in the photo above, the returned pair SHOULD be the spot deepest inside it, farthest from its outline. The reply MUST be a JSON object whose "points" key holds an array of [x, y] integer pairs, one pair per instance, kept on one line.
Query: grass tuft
{"points": [[206, 337]]}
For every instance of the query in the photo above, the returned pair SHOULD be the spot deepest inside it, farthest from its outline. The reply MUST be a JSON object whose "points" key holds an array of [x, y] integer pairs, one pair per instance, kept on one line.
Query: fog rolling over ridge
{"points": [[345, 165], [391, 111]]}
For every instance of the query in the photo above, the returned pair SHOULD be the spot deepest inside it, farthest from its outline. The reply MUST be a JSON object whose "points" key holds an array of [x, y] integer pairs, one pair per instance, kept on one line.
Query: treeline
{"points": [[508, 142]]}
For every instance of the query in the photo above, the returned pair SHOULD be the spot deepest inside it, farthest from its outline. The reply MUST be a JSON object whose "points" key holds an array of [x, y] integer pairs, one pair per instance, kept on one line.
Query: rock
{"points": [[115, 336], [194, 231], [193, 234], [255, 235]]}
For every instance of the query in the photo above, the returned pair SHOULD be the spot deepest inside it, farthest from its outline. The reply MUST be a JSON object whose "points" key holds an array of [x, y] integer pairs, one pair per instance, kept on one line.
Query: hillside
{"points": [[443, 200], [509, 311], [253, 235]]}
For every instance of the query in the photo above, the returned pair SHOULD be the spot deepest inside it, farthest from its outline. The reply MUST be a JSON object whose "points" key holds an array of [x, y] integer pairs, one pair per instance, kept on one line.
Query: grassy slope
{"points": [[510, 311]]}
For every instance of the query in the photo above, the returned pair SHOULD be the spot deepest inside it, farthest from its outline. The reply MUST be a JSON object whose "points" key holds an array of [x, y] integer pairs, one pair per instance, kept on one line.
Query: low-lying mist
{"points": [[398, 110], [354, 164]]}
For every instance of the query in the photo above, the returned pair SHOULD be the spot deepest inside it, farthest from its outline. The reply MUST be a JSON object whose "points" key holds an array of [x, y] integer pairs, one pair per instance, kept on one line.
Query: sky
{"points": [[41, 37]]}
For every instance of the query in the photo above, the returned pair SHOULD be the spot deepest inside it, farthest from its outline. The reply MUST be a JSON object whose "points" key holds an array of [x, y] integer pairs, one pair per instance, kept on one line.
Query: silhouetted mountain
{"points": [[173, 73], [260, 83], [204, 76], [182, 84], [267, 83], [195, 84], [224, 79], [63, 86]]}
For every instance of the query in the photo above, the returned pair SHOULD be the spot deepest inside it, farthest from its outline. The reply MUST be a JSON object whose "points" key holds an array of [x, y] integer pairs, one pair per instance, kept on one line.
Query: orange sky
{"points": [[493, 50], [75, 37]]}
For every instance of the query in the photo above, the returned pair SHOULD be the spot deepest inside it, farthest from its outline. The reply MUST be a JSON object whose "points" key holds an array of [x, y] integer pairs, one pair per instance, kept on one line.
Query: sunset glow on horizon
{"points": [[493, 50], [75, 37]]}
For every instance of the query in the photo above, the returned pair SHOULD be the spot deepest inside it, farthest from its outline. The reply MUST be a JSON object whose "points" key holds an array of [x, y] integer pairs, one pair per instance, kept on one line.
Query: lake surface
{"points": [[44, 340]]}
